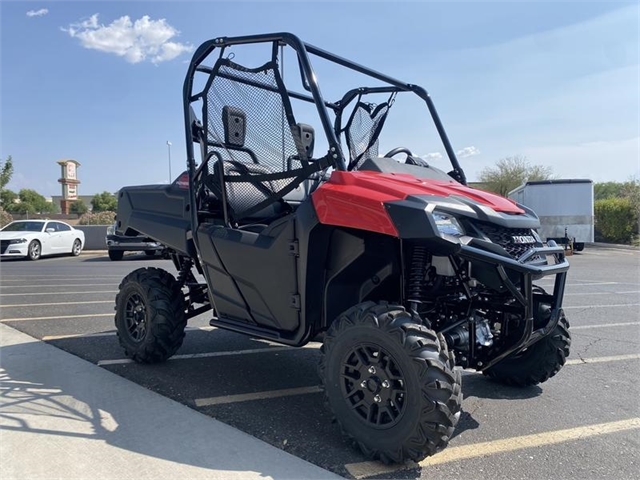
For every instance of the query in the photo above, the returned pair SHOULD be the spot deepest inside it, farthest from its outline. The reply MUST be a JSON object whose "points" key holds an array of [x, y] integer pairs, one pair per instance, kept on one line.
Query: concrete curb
{"points": [[64, 417], [612, 246]]}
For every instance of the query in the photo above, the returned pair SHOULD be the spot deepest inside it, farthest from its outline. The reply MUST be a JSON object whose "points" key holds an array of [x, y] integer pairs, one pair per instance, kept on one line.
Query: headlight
{"points": [[448, 224], [111, 230], [17, 240]]}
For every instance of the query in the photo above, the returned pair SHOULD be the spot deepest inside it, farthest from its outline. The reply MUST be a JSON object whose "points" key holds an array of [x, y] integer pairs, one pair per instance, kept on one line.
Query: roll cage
{"points": [[335, 157]]}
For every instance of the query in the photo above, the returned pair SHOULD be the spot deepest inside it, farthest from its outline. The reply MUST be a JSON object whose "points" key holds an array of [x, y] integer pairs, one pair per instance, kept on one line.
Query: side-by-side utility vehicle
{"points": [[286, 234]]}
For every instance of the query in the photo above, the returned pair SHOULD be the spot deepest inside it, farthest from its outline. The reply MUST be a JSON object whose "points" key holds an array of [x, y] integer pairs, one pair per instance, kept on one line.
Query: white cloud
{"points": [[467, 152], [432, 156], [37, 13], [143, 39]]}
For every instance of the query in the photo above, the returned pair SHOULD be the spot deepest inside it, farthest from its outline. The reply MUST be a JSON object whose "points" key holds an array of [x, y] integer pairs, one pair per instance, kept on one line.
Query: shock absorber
{"points": [[185, 271], [416, 282]]}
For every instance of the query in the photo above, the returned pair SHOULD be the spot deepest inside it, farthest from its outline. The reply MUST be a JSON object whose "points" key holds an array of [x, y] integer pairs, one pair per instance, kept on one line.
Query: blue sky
{"points": [[555, 81]]}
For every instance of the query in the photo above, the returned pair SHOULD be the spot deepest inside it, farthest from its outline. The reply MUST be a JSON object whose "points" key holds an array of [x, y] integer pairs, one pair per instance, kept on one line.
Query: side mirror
{"points": [[50, 230]]}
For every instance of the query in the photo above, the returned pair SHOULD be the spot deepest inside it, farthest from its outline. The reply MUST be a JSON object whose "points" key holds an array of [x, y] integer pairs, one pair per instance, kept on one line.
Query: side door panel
{"points": [[253, 275]]}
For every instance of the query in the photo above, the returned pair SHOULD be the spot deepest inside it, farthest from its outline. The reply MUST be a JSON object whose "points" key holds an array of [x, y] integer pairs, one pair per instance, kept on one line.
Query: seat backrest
{"points": [[243, 196]]}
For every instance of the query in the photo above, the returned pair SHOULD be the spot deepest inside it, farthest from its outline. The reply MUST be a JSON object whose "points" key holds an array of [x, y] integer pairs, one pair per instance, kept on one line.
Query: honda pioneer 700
{"points": [[408, 272]]}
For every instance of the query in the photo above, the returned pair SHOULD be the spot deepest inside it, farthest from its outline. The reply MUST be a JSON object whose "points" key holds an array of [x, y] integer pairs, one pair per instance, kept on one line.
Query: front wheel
{"points": [[150, 315], [34, 250], [116, 255], [536, 364], [390, 383]]}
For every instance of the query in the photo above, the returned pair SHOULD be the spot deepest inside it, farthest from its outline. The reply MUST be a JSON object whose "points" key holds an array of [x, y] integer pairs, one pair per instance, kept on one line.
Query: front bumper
{"points": [[118, 242], [14, 250], [509, 269]]}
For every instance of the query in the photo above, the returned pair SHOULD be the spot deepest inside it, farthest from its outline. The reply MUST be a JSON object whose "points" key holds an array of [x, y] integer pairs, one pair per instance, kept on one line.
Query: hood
{"points": [[395, 186], [12, 235]]}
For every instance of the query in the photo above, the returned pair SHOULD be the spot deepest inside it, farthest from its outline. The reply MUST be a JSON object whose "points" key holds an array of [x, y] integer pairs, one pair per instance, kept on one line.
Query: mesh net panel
{"points": [[268, 135], [363, 132]]}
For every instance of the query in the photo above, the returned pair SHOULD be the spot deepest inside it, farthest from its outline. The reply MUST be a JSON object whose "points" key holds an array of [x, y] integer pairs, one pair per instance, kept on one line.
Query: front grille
{"points": [[3, 245], [504, 237]]}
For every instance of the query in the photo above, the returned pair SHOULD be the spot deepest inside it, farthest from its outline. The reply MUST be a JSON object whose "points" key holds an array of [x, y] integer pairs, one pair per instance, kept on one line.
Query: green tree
{"points": [[31, 202], [6, 171], [7, 197], [605, 190], [104, 202], [78, 207], [511, 172]]}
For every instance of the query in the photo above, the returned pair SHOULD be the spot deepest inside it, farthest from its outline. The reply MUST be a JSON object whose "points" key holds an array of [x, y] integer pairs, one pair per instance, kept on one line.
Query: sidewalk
{"points": [[63, 417]]}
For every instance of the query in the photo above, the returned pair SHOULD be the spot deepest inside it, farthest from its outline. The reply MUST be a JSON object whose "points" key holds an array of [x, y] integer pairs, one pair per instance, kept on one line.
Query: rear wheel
{"points": [[150, 315], [34, 250], [390, 383], [116, 254], [77, 247], [536, 364]]}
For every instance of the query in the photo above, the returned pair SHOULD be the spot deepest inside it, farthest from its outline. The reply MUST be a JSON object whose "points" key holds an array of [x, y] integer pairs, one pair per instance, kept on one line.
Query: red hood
{"points": [[392, 186]]}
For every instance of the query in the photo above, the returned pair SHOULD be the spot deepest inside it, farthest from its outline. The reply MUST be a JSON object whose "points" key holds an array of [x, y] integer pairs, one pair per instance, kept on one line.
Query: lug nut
{"points": [[372, 370], [377, 399], [363, 384], [385, 384]]}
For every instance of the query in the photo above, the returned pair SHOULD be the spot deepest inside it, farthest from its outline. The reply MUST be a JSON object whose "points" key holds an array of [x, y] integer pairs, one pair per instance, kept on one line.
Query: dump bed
{"points": [[160, 212]]}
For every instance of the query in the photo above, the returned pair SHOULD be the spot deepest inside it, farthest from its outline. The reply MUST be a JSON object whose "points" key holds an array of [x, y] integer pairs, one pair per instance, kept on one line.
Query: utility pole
{"points": [[169, 151]]}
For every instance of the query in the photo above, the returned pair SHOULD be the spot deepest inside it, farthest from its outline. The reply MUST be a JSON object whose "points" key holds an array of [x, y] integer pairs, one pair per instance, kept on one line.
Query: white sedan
{"points": [[36, 238]]}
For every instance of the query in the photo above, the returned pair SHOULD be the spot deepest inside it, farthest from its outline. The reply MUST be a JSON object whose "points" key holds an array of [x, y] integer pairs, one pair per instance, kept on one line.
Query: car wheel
{"points": [[536, 364], [150, 315], [35, 250], [77, 247], [116, 254], [390, 383]]}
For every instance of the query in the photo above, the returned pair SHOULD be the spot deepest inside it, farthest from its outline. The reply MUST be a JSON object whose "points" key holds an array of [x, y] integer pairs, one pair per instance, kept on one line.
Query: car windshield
{"points": [[24, 227]]}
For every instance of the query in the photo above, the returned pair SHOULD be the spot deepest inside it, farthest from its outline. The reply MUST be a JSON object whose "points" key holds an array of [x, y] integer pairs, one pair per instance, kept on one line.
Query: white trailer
{"points": [[565, 209]]}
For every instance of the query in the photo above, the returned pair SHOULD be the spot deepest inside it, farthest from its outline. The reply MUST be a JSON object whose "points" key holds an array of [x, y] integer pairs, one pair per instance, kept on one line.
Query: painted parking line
{"points": [[247, 397], [191, 356], [53, 304], [61, 285], [57, 275], [604, 325], [110, 333], [505, 445], [48, 338], [25, 319], [30, 278], [55, 293], [613, 358], [584, 307], [603, 293]]}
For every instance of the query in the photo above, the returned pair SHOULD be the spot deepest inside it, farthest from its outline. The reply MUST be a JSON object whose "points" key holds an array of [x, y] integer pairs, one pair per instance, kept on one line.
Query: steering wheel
{"points": [[410, 160], [398, 150]]}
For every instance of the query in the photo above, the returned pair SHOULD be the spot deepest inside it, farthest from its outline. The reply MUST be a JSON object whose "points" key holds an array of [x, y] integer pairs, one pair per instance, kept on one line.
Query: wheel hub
{"points": [[136, 317], [373, 386]]}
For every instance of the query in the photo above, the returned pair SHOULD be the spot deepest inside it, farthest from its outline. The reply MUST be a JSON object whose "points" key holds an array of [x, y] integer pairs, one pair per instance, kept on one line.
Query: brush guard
{"points": [[525, 292]]}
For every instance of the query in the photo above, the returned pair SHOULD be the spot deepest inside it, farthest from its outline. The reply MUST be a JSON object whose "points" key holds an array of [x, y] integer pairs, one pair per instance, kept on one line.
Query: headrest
{"points": [[234, 121]]}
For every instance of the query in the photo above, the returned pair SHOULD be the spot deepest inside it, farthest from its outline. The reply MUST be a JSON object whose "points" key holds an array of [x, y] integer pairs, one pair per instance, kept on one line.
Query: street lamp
{"points": [[169, 150]]}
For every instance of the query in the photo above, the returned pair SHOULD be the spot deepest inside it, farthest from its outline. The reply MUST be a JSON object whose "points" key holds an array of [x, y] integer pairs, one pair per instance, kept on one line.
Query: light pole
{"points": [[169, 150]]}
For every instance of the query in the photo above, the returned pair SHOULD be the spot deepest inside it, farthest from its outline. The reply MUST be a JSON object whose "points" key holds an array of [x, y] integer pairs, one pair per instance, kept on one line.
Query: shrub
{"points": [[5, 217], [616, 219], [78, 207], [100, 218]]}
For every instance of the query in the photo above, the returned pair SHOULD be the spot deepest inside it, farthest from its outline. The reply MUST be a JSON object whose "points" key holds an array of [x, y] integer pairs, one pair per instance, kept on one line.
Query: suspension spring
{"points": [[416, 284], [185, 271]]}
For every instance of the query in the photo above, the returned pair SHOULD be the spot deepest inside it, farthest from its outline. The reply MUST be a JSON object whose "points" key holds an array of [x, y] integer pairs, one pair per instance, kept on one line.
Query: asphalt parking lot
{"points": [[583, 423]]}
